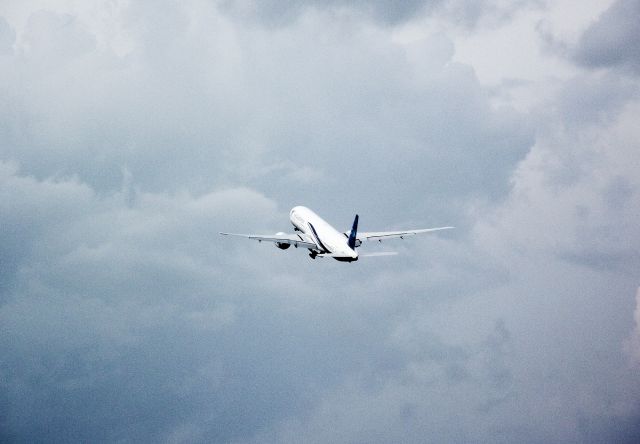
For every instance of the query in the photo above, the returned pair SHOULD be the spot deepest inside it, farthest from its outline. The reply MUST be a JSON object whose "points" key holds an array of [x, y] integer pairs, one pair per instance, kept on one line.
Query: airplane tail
{"points": [[352, 235]]}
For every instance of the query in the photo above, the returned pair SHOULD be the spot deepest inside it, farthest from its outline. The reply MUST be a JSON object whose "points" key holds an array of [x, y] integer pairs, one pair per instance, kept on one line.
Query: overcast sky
{"points": [[131, 132]]}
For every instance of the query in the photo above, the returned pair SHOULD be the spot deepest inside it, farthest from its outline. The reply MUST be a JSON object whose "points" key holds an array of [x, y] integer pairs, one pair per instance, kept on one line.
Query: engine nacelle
{"points": [[282, 245]]}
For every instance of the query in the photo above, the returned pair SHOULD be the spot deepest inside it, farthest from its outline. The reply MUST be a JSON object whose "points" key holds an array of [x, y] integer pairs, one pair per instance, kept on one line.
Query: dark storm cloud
{"points": [[608, 429], [134, 331], [126, 145], [94, 301], [614, 39]]}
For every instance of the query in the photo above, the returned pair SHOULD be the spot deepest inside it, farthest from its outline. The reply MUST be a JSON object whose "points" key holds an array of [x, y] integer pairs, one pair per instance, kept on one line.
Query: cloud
{"points": [[613, 40], [249, 107], [399, 404], [51, 38], [580, 179], [105, 290], [278, 12], [595, 99], [632, 345], [131, 133], [7, 37], [109, 287], [385, 12]]}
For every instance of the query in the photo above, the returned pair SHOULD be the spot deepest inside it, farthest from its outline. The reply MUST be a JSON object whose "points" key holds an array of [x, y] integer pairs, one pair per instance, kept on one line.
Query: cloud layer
{"points": [[132, 132]]}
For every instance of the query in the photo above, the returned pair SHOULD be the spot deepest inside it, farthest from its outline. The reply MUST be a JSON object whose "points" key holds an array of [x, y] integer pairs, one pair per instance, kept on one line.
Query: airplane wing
{"points": [[279, 238], [384, 235]]}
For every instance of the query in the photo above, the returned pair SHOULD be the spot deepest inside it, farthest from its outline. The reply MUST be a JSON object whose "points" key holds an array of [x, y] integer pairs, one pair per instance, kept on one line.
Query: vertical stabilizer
{"points": [[352, 235]]}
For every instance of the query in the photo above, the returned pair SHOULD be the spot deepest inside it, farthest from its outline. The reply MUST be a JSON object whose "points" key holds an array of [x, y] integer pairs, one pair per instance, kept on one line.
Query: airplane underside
{"points": [[313, 254]]}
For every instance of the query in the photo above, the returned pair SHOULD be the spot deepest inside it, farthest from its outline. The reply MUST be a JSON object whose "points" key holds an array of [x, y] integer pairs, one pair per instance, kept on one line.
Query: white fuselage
{"points": [[329, 240]]}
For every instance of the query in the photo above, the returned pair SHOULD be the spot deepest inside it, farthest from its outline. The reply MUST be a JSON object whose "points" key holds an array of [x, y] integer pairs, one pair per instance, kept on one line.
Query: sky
{"points": [[133, 131]]}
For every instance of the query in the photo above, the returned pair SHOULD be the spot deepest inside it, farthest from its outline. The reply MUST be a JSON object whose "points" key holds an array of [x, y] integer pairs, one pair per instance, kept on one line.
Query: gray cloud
{"points": [[595, 99], [387, 12], [51, 39], [400, 406], [632, 345], [613, 40], [258, 117], [7, 37], [126, 145], [279, 12]]}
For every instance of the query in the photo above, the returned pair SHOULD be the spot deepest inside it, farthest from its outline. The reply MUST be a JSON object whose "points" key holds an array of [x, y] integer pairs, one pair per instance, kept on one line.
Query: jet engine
{"points": [[282, 245]]}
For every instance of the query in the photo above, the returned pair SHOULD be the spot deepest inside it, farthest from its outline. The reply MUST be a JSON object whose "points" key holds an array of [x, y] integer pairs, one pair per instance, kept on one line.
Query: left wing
{"points": [[384, 235], [278, 238]]}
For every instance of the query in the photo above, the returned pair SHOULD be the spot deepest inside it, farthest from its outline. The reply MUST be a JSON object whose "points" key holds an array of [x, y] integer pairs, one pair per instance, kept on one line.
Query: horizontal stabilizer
{"points": [[381, 253]]}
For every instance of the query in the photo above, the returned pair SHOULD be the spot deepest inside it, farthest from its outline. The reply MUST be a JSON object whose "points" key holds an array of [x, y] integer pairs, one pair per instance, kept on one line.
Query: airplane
{"points": [[322, 240]]}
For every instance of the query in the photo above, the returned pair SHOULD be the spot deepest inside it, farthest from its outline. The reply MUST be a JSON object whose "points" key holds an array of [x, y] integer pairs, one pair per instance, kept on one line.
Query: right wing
{"points": [[279, 238], [384, 235]]}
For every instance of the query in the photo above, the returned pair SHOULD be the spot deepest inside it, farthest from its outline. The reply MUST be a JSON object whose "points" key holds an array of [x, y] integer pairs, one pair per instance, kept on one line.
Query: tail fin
{"points": [[352, 235]]}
